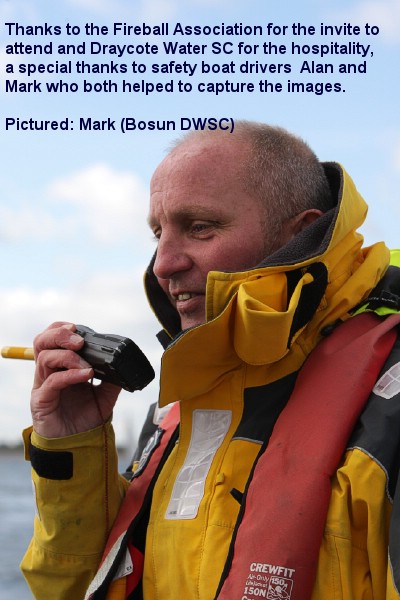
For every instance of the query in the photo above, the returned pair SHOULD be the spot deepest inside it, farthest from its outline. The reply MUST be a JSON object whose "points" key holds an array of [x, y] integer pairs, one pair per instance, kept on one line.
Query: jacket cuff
{"points": [[52, 458]]}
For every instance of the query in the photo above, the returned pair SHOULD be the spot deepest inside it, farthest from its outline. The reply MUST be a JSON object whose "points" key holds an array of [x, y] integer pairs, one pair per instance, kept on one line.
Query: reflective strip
{"points": [[389, 384], [209, 428], [105, 567]]}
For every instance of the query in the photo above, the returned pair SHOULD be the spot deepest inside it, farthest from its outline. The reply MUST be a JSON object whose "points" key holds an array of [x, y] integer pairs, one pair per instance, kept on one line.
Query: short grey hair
{"points": [[278, 168]]}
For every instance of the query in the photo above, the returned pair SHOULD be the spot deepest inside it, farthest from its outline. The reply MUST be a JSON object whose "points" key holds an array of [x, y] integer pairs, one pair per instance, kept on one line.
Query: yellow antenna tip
{"points": [[17, 352]]}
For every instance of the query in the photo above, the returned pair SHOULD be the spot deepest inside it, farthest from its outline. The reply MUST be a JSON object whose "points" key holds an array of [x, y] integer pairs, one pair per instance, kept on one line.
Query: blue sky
{"points": [[73, 233]]}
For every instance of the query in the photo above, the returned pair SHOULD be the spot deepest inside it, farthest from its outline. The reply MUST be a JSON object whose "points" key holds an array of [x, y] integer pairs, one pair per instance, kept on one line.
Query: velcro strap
{"points": [[52, 465]]}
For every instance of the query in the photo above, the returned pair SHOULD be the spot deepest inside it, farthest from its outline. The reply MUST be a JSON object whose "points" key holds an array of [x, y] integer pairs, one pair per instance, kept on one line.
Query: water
{"points": [[16, 523]]}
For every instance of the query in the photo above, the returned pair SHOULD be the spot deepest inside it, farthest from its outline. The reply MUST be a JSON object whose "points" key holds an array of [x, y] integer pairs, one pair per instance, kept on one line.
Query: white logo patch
{"points": [[268, 581], [389, 384], [209, 429]]}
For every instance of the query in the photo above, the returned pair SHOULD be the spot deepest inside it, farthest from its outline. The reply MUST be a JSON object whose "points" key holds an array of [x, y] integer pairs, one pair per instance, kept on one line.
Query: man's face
{"points": [[203, 221]]}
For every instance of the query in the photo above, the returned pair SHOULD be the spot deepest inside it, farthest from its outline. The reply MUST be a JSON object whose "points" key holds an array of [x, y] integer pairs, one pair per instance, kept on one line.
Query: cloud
{"points": [[98, 202], [26, 222], [104, 300], [111, 203]]}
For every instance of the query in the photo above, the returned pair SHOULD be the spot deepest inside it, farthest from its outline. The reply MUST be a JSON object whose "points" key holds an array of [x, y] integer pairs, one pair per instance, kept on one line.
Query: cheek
{"points": [[221, 257], [242, 254]]}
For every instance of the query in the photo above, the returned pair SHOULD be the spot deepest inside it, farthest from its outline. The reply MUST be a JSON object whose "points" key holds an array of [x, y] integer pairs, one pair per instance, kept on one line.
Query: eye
{"points": [[156, 235], [202, 228], [198, 227]]}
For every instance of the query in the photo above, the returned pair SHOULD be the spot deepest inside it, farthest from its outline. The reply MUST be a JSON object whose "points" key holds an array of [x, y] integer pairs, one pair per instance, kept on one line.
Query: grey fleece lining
{"points": [[314, 239]]}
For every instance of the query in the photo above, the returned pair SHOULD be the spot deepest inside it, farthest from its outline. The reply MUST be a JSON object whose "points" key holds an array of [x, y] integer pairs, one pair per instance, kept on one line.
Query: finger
{"points": [[66, 324], [60, 380], [63, 336], [49, 361]]}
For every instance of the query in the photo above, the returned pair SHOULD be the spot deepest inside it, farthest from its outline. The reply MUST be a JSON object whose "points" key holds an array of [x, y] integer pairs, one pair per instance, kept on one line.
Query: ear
{"points": [[302, 220]]}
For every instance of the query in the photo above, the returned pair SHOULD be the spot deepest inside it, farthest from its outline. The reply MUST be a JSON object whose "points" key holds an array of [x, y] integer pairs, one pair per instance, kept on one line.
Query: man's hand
{"points": [[63, 400]]}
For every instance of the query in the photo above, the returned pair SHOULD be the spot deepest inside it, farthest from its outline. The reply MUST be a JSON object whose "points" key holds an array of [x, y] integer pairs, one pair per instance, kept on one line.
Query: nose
{"points": [[171, 258]]}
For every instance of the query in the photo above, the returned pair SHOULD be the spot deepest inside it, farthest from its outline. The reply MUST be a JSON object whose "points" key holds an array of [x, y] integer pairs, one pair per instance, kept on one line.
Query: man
{"points": [[257, 490]]}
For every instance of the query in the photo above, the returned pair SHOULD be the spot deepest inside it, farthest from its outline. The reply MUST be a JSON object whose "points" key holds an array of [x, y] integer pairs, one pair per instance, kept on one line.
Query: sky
{"points": [[73, 204]]}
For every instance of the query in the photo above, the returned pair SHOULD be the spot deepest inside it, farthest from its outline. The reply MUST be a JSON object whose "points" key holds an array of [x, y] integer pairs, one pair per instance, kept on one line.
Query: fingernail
{"points": [[84, 365], [75, 338]]}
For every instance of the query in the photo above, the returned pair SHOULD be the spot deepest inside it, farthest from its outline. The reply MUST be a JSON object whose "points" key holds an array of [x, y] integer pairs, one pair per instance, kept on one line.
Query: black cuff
{"points": [[52, 465]]}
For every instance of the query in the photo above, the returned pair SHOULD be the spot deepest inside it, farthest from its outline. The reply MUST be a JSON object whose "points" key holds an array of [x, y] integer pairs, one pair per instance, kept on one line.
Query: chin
{"points": [[190, 323]]}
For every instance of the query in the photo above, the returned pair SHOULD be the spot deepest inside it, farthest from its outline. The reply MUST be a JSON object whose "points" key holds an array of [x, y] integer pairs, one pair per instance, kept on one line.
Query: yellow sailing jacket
{"points": [[232, 377]]}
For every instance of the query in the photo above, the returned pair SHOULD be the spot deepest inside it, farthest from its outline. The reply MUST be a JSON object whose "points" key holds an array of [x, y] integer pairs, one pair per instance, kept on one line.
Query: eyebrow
{"points": [[188, 213]]}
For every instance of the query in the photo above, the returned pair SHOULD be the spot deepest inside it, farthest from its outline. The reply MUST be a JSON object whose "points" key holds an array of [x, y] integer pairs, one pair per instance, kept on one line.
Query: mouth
{"points": [[190, 307], [187, 300], [184, 296]]}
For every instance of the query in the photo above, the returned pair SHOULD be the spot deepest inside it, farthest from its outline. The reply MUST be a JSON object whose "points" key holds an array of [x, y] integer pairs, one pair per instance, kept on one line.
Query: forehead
{"points": [[196, 160], [198, 176]]}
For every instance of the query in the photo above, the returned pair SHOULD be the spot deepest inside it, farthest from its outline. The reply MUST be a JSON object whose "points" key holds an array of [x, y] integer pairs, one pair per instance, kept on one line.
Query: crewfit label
{"points": [[272, 582]]}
